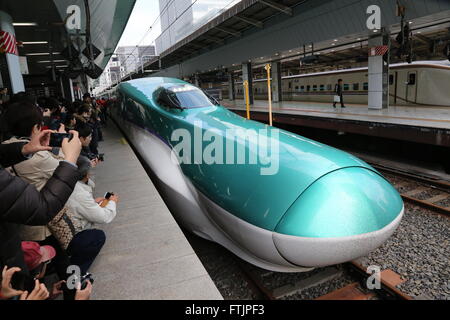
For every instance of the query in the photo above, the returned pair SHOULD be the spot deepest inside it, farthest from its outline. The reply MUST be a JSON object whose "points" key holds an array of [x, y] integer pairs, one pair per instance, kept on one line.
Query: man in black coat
{"points": [[339, 91], [21, 203]]}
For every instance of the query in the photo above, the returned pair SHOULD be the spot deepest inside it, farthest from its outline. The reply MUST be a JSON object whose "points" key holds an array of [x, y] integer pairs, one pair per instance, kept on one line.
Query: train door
{"points": [[411, 87]]}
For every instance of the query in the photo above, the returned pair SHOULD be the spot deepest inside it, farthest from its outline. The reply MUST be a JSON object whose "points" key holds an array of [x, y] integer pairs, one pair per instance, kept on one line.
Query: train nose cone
{"points": [[340, 217]]}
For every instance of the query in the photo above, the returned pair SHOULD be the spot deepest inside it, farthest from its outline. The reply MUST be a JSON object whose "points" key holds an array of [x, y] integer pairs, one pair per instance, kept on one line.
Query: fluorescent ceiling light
{"points": [[24, 24], [49, 67], [51, 61], [35, 42], [42, 54]]}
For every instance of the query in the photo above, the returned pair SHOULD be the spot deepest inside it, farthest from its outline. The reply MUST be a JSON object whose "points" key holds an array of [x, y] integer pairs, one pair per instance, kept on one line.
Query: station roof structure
{"points": [[40, 26], [263, 31]]}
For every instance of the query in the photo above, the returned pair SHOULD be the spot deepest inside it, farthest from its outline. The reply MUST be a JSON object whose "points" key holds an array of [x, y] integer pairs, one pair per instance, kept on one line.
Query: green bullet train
{"points": [[277, 200]]}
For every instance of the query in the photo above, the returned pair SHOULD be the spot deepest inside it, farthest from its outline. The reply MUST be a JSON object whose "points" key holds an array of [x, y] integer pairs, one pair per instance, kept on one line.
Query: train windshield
{"points": [[186, 97]]}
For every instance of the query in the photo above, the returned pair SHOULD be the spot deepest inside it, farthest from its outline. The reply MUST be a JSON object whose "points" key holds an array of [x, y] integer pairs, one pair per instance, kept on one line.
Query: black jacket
{"points": [[338, 90], [21, 203]]}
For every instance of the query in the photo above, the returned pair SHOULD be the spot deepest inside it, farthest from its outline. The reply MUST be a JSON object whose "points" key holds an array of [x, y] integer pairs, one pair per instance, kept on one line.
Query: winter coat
{"points": [[86, 211], [36, 171], [21, 203]]}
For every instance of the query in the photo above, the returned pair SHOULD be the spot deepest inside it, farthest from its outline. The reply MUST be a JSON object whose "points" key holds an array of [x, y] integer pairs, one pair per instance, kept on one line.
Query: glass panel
{"points": [[184, 97], [412, 79], [356, 87]]}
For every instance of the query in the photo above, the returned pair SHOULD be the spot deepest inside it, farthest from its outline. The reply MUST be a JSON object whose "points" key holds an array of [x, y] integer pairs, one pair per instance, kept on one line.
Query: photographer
{"points": [[21, 203], [85, 133], [87, 212]]}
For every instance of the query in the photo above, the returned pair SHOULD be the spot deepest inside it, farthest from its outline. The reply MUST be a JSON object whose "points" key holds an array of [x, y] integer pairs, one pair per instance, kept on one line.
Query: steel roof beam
{"points": [[423, 39], [216, 40], [253, 22], [229, 31], [277, 6]]}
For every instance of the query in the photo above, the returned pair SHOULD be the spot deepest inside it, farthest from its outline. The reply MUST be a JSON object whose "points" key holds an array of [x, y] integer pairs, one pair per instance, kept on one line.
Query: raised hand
{"points": [[7, 291]]}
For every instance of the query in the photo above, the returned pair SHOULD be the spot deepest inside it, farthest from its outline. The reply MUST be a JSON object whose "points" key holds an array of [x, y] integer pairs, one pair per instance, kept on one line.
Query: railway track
{"points": [[431, 193], [354, 289]]}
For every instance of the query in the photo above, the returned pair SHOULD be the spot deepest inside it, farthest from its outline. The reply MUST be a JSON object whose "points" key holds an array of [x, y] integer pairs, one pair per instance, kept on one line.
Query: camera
{"points": [[84, 280], [56, 139]]}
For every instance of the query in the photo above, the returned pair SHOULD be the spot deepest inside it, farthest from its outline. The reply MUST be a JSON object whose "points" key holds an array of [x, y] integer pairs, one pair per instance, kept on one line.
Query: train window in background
{"points": [[315, 87], [308, 88], [412, 79], [183, 97], [296, 88], [302, 89], [322, 87], [329, 87], [290, 85], [356, 87], [391, 79], [366, 86], [346, 87]]}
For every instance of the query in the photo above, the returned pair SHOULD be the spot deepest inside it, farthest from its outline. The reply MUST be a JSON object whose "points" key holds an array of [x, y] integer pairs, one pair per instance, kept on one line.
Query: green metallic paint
{"points": [[345, 202], [241, 189]]}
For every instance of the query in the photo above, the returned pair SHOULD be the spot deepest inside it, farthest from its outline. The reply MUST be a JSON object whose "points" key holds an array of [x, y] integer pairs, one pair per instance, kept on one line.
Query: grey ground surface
{"points": [[146, 255]]}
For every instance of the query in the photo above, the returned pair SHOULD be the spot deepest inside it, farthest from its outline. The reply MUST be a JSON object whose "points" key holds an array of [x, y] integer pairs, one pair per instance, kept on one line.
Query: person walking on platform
{"points": [[339, 94]]}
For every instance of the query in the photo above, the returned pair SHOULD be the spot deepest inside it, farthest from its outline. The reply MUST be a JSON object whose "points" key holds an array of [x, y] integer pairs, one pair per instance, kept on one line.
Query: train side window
{"points": [[302, 88], [329, 87], [391, 79], [315, 87], [412, 79], [346, 87], [308, 88], [366, 86], [296, 88], [356, 87], [322, 87], [290, 85]]}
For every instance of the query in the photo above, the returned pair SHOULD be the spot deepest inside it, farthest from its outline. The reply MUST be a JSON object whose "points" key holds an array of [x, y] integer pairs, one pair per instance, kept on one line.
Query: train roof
{"points": [[432, 64], [435, 64]]}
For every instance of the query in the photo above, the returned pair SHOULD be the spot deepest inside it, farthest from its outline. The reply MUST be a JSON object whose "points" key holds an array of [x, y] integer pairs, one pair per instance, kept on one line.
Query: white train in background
{"points": [[418, 83]]}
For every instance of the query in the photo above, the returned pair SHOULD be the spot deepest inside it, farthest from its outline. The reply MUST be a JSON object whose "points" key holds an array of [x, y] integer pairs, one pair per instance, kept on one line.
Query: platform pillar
{"points": [[277, 90], [12, 61], [67, 88], [196, 81], [247, 75], [231, 92], [379, 71]]}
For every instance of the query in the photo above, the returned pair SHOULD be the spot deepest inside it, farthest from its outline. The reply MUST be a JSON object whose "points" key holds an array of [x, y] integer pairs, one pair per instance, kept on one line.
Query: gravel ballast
{"points": [[419, 251]]}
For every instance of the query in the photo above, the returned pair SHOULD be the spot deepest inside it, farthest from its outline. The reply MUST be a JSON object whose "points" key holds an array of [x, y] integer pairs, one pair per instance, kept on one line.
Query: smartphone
{"points": [[22, 281], [101, 157], [56, 139], [108, 195]]}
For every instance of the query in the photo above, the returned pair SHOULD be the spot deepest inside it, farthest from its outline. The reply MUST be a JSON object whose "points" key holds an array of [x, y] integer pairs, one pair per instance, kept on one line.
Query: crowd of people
{"points": [[48, 212]]}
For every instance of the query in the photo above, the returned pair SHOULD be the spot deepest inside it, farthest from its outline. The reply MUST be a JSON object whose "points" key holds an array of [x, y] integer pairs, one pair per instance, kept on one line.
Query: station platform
{"points": [[422, 124], [146, 255]]}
